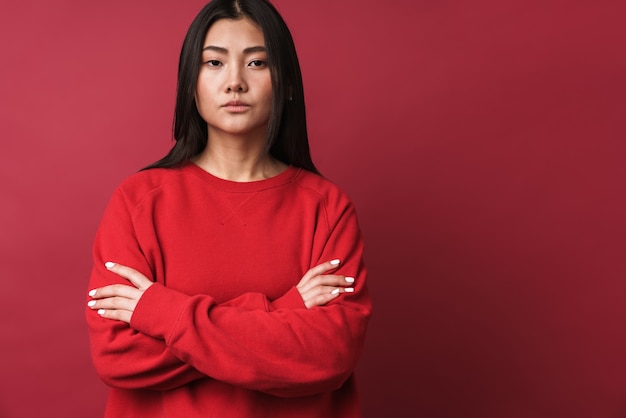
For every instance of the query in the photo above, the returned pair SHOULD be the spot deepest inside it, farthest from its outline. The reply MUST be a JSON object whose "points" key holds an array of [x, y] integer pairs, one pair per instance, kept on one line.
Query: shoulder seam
{"points": [[322, 197], [148, 192]]}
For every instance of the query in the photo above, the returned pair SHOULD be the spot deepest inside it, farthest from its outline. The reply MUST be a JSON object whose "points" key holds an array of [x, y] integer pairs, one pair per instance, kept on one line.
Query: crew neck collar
{"points": [[280, 179]]}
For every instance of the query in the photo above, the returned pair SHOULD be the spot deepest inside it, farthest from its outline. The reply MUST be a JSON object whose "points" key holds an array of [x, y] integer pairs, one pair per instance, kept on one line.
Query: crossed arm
{"points": [[317, 349], [147, 336]]}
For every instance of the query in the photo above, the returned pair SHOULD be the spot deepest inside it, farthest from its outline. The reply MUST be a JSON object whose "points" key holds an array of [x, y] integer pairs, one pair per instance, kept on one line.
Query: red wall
{"points": [[483, 143]]}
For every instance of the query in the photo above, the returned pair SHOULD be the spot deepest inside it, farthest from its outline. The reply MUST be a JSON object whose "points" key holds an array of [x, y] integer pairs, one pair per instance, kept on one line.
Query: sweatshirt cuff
{"points": [[290, 300], [157, 311]]}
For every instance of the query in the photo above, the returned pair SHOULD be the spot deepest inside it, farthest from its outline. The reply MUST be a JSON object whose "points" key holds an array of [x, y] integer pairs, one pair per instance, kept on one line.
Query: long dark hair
{"points": [[287, 138]]}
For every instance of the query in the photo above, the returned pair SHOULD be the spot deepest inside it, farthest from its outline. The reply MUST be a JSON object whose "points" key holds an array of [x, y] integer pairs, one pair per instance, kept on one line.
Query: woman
{"points": [[228, 277]]}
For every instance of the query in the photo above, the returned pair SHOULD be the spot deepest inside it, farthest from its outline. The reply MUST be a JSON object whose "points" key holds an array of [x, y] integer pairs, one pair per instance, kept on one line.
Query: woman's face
{"points": [[234, 89]]}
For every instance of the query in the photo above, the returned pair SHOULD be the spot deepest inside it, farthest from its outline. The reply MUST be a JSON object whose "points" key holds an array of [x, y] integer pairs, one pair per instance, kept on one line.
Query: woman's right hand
{"points": [[317, 288]]}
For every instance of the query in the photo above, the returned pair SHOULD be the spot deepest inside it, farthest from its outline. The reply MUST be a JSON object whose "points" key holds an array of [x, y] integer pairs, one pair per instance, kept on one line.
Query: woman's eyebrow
{"points": [[225, 50]]}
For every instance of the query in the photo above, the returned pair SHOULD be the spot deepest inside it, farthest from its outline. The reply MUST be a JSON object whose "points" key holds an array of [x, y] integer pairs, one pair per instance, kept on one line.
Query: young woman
{"points": [[228, 277]]}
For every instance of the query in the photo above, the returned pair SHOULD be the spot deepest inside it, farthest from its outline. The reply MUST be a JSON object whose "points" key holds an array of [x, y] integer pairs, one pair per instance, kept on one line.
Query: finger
{"points": [[136, 278], [319, 298], [118, 315], [116, 290], [322, 295], [113, 303], [326, 291], [320, 269], [327, 280]]}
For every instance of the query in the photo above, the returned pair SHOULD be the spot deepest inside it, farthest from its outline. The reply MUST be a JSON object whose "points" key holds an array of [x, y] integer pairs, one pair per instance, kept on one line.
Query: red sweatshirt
{"points": [[224, 332]]}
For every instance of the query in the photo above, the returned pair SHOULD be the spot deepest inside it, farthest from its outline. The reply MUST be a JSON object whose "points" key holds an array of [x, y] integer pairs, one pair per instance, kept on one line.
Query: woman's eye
{"points": [[213, 63], [257, 63]]}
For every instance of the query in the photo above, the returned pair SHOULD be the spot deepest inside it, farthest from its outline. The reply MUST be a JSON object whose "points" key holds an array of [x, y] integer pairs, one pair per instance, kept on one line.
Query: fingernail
{"points": [[350, 279], [101, 311], [109, 265], [349, 289], [335, 262], [334, 292], [91, 303], [92, 293]]}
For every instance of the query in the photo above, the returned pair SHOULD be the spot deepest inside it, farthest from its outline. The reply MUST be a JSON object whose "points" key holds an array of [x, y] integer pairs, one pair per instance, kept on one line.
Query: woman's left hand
{"points": [[118, 301]]}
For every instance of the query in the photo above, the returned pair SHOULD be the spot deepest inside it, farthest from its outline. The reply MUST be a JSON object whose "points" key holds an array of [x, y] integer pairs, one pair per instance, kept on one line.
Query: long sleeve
{"points": [[122, 356]]}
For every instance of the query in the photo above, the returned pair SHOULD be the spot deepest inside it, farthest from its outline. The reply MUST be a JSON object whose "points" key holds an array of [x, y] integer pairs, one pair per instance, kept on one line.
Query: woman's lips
{"points": [[236, 106]]}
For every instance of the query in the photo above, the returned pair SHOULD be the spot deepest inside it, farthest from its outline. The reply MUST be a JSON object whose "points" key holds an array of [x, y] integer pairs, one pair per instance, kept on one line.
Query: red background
{"points": [[482, 142]]}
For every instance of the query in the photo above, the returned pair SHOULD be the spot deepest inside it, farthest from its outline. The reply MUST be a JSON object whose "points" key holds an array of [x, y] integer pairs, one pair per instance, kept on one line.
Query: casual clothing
{"points": [[224, 332]]}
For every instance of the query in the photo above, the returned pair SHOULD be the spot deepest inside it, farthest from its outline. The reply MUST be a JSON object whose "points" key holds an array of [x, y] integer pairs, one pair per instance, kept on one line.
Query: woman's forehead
{"points": [[236, 34]]}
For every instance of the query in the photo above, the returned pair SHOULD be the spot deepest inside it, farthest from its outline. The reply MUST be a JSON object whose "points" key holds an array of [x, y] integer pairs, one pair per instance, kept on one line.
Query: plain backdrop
{"points": [[483, 143]]}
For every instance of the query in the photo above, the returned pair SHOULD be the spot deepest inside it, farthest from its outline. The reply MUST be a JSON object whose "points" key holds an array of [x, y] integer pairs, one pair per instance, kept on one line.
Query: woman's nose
{"points": [[236, 82]]}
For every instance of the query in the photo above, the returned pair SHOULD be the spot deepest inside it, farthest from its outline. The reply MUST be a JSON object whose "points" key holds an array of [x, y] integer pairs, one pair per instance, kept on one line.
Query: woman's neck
{"points": [[238, 159]]}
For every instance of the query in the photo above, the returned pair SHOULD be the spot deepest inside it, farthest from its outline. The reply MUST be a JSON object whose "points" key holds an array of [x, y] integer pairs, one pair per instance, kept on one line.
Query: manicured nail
{"points": [[334, 292], [109, 265], [335, 262], [349, 289], [101, 311], [350, 279], [92, 293], [91, 303]]}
